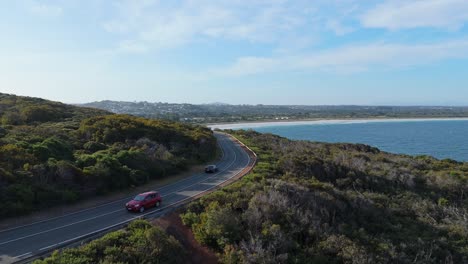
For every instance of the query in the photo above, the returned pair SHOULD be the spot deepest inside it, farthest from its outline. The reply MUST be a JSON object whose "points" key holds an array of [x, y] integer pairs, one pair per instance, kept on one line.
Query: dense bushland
{"points": [[141, 242], [52, 153], [308, 202]]}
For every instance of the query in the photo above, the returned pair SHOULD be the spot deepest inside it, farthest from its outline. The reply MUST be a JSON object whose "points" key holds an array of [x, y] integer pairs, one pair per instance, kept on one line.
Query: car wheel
{"points": [[157, 204], [142, 209]]}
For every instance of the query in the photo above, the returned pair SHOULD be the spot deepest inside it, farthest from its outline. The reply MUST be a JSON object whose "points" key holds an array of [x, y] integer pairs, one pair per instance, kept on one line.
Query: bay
{"points": [[444, 138]]}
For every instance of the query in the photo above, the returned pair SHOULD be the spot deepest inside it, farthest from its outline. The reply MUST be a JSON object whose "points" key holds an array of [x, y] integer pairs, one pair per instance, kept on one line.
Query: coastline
{"points": [[258, 124]]}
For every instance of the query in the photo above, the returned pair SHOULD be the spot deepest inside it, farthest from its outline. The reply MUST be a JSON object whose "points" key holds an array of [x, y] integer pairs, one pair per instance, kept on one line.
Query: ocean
{"points": [[441, 138]]}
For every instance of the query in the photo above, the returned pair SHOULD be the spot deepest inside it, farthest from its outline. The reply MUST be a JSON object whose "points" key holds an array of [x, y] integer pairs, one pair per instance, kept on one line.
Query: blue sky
{"points": [[389, 52]]}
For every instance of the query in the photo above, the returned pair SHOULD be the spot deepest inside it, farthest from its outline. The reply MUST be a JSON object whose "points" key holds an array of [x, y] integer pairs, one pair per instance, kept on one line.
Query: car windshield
{"points": [[139, 198]]}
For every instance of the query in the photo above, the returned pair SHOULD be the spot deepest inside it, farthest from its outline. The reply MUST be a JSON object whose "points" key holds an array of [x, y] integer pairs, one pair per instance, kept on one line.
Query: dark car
{"points": [[211, 169], [144, 201]]}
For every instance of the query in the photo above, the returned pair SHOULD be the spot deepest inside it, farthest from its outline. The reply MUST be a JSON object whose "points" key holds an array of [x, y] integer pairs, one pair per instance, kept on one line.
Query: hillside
{"points": [[309, 202], [52, 153], [140, 242], [220, 113]]}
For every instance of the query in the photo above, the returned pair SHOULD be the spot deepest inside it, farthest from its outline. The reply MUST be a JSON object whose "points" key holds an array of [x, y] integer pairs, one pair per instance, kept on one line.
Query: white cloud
{"points": [[350, 58], [398, 14], [130, 46], [168, 24], [386, 55], [158, 24], [250, 65], [43, 9], [337, 27]]}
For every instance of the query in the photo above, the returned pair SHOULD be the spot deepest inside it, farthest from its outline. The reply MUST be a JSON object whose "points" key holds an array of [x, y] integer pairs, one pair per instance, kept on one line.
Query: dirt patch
{"points": [[173, 226]]}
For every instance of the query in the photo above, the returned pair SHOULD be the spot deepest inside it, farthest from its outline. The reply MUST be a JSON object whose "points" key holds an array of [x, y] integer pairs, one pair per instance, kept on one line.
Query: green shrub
{"points": [[139, 243], [52, 147], [309, 202]]}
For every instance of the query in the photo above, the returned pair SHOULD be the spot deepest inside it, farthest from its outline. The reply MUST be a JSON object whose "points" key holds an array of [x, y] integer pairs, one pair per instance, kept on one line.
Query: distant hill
{"points": [[20, 110], [52, 153], [221, 112]]}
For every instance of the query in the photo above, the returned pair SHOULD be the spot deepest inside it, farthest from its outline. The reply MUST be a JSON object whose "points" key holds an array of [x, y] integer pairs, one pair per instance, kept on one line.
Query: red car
{"points": [[144, 201]]}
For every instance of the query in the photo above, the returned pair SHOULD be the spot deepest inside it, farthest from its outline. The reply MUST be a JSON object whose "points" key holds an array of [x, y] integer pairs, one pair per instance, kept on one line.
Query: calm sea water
{"points": [[438, 138]]}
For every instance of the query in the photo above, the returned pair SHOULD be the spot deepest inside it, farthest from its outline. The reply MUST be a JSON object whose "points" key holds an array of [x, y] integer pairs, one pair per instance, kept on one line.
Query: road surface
{"points": [[34, 239]]}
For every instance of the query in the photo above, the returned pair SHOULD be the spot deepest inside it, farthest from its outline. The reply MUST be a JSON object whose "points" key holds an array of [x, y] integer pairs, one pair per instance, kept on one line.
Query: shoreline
{"points": [[259, 124]]}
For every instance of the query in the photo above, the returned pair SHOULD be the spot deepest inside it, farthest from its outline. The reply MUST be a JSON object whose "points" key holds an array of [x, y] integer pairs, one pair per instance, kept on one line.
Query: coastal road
{"points": [[22, 242]]}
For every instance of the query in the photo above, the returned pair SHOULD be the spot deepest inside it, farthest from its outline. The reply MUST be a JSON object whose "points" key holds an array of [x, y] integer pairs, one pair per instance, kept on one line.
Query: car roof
{"points": [[150, 192]]}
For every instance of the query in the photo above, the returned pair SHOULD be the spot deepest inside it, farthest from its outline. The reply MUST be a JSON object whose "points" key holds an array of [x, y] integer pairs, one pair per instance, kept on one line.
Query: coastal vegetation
{"points": [[304, 202], [309, 202], [52, 153], [140, 242]]}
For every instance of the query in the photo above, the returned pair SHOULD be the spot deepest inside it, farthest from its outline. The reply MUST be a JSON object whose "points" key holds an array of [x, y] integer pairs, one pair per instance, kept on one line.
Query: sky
{"points": [[309, 52]]}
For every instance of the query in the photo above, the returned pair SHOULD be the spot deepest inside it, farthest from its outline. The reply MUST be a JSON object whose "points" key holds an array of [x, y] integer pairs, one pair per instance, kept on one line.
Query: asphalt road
{"points": [[25, 241]]}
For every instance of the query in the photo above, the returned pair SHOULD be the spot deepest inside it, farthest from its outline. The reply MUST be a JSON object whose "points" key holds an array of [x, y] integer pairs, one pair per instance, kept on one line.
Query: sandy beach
{"points": [[324, 122]]}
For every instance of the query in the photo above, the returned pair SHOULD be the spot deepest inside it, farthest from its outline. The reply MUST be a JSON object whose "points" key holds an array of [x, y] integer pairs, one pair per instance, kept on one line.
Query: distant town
{"points": [[226, 113]]}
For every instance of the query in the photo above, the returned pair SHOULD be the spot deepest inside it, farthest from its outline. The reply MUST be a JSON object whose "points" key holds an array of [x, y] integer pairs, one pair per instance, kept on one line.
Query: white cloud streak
{"points": [[337, 26], [160, 25], [43, 9], [350, 59], [404, 14]]}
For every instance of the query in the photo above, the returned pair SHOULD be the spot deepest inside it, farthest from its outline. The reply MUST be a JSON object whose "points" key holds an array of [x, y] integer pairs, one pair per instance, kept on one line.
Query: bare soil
{"points": [[173, 226]]}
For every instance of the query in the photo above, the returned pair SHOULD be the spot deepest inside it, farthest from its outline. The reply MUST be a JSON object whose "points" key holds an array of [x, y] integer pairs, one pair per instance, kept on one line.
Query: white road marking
{"points": [[140, 216], [101, 205], [60, 227], [23, 255], [88, 219]]}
